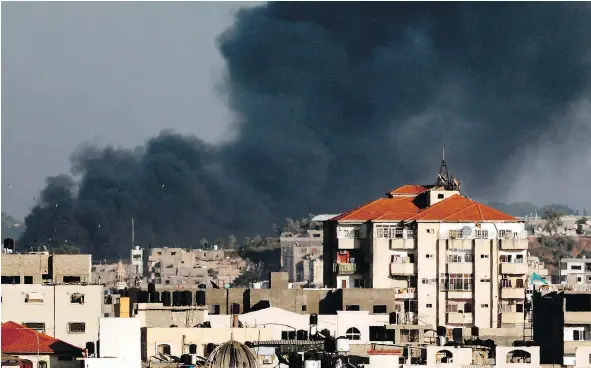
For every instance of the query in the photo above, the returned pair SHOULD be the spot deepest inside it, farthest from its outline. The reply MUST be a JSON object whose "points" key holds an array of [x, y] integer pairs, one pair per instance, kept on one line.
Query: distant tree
{"points": [[582, 221], [232, 241], [553, 221], [66, 249], [203, 243], [248, 276]]}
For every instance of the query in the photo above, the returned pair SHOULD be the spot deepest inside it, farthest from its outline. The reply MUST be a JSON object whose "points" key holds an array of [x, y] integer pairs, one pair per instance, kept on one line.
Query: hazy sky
{"points": [[108, 72]]}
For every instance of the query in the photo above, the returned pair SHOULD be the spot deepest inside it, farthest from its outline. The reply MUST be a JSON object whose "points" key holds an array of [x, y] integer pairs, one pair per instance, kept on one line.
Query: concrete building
{"points": [[185, 266], [42, 267], [66, 312], [33, 347], [463, 263], [535, 266], [137, 260], [575, 271], [562, 327], [301, 256]]}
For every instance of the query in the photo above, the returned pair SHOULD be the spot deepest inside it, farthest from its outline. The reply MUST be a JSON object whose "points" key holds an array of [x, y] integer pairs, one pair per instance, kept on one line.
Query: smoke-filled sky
{"points": [[285, 109]]}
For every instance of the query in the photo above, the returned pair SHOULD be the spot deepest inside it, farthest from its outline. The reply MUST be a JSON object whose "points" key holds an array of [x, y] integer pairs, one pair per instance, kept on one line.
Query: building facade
{"points": [[42, 267], [453, 261], [575, 271], [301, 255]]}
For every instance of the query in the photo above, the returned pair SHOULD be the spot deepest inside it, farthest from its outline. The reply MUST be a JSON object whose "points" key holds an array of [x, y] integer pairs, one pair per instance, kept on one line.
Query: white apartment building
{"points": [[66, 312], [456, 262], [575, 271]]}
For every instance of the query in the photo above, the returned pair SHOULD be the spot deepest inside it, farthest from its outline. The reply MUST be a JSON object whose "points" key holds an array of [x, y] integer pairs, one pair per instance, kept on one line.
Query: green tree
{"points": [[582, 221], [232, 241], [553, 221], [66, 249]]}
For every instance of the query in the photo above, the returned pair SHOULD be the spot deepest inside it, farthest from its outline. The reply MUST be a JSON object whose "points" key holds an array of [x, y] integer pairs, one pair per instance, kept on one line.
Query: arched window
{"points": [[163, 349], [518, 356], [42, 364], [353, 334], [443, 356]]}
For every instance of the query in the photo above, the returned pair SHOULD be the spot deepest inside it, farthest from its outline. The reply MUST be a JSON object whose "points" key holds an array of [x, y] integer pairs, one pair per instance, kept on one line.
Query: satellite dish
{"points": [[467, 230]]}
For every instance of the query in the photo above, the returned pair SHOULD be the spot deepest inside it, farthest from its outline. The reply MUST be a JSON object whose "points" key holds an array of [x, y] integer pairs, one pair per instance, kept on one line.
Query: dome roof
{"points": [[232, 354]]}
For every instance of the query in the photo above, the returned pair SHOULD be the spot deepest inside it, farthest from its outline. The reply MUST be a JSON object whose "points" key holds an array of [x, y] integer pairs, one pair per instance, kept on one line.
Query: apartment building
{"points": [[42, 267], [67, 312], [458, 262], [185, 266], [562, 327], [575, 271], [301, 256]]}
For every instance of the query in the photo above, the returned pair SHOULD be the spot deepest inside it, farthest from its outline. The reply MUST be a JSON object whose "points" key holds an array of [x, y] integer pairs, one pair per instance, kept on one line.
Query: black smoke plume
{"points": [[336, 102]]}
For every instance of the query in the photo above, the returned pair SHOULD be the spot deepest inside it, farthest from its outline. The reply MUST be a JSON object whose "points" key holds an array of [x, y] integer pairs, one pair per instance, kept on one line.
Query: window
{"points": [[380, 333], [576, 268], [163, 349], [440, 196], [358, 283], [159, 253], [34, 298], [457, 282], [235, 308], [578, 335], [429, 305], [353, 334], [304, 308], [468, 308], [352, 307], [519, 283], [481, 234], [429, 256], [519, 308], [451, 308], [28, 280], [77, 298], [484, 280], [316, 235], [484, 256], [216, 309], [137, 256], [37, 326], [70, 279], [172, 253], [76, 327], [11, 280], [42, 364], [380, 309], [483, 305]]}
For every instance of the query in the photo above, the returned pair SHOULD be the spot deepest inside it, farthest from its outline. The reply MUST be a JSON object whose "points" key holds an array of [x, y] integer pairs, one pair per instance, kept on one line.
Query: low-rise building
{"points": [[67, 312], [301, 256], [562, 327], [34, 347], [43, 267], [575, 271]]}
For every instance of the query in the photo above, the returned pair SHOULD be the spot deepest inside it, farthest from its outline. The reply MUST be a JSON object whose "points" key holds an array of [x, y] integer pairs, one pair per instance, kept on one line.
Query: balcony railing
{"points": [[344, 268]]}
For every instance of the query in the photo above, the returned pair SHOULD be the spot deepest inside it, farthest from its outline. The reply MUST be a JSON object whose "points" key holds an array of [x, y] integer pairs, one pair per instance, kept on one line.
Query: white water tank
{"points": [[342, 345], [312, 364]]}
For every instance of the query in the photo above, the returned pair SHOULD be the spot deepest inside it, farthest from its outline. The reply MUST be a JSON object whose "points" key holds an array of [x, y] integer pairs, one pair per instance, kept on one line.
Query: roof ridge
{"points": [[461, 210]]}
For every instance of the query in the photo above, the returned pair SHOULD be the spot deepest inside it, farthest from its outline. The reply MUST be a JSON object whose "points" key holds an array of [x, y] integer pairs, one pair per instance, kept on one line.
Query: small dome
{"points": [[232, 354]]}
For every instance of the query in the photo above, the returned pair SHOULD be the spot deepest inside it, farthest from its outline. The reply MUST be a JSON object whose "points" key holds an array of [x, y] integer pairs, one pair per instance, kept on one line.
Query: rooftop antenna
{"points": [[443, 176], [132, 233]]}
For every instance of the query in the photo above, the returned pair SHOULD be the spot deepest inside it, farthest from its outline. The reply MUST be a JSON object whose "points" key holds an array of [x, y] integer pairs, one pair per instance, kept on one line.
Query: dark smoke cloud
{"points": [[335, 103]]}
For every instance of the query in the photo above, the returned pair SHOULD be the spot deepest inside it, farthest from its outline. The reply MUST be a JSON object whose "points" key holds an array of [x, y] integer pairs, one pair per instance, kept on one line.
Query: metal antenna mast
{"points": [[132, 233]]}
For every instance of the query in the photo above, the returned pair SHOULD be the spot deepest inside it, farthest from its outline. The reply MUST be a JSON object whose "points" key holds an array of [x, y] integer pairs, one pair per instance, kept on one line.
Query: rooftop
{"points": [[18, 339]]}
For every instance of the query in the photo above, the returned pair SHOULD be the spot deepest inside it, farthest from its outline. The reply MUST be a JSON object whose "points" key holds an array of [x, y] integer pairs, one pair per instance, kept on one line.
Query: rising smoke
{"points": [[335, 103]]}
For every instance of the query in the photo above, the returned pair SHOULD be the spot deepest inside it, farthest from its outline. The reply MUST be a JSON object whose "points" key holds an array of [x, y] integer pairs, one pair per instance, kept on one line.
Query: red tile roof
{"points": [[409, 189], [395, 208], [456, 208], [18, 339]]}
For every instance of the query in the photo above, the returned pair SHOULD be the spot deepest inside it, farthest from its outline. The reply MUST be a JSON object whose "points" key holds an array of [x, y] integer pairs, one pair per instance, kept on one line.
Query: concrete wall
{"points": [[121, 338], [55, 309], [45, 268]]}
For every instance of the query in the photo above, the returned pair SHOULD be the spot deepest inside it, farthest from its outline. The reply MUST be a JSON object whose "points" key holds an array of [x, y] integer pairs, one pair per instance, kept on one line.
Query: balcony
{"points": [[402, 269], [408, 243], [460, 294], [456, 318], [577, 317], [571, 346], [514, 268], [464, 267], [512, 318], [344, 268], [513, 293], [350, 243], [513, 244]]}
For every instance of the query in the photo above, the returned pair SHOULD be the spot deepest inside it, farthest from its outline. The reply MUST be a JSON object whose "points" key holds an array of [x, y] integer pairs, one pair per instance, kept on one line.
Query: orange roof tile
{"points": [[18, 339], [408, 189], [458, 208], [397, 207]]}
